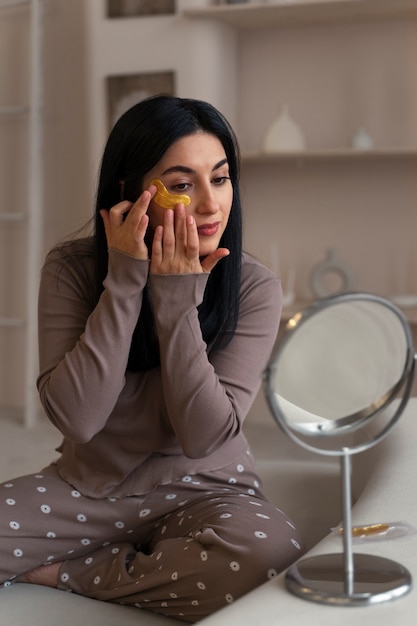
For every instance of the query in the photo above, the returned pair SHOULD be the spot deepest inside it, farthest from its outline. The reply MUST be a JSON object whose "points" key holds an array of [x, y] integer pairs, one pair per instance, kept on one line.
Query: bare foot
{"points": [[43, 575]]}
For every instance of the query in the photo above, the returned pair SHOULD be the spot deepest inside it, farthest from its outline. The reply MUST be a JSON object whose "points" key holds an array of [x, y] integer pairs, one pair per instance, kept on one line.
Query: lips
{"points": [[208, 230]]}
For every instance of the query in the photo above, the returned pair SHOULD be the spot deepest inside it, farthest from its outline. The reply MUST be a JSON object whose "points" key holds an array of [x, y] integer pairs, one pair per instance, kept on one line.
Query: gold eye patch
{"points": [[165, 199]]}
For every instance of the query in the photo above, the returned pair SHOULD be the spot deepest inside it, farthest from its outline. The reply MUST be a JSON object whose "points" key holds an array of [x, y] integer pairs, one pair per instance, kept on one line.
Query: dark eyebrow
{"points": [[219, 164], [189, 170]]}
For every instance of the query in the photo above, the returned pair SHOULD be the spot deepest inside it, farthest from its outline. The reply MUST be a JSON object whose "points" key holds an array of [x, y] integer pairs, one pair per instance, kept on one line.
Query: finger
{"points": [[140, 207], [140, 231], [118, 212], [109, 223], [106, 219], [137, 219], [180, 228], [157, 249], [212, 259], [168, 240], [193, 241]]}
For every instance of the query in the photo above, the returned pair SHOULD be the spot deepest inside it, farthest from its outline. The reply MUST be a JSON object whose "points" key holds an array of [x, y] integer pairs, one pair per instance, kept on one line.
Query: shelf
{"points": [[298, 306], [302, 12], [289, 311], [329, 155]]}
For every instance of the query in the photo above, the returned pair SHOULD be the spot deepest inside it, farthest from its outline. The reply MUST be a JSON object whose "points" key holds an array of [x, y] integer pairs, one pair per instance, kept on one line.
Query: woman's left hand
{"points": [[176, 246]]}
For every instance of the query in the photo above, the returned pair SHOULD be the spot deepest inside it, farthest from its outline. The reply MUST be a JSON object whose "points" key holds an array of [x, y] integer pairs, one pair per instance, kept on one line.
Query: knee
{"points": [[235, 565]]}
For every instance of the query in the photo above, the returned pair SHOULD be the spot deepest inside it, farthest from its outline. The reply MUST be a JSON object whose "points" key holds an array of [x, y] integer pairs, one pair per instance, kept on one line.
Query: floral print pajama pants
{"points": [[184, 550]]}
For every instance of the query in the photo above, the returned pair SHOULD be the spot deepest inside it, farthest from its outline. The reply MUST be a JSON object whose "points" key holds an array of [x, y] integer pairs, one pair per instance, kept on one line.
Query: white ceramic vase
{"points": [[284, 135], [362, 140]]}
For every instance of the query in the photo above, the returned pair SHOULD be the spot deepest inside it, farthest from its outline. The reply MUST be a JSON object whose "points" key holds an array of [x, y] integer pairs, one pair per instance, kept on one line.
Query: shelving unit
{"points": [[330, 155], [247, 17], [31, 217], [261, 16], [281, 46]]}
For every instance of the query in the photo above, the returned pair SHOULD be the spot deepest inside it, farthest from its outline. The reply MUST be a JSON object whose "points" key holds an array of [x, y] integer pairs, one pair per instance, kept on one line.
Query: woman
{"points": [[153, 337]]}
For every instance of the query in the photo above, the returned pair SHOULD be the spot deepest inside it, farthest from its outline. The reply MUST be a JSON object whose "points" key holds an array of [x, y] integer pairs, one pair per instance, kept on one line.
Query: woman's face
{"points": [[196, 165]]}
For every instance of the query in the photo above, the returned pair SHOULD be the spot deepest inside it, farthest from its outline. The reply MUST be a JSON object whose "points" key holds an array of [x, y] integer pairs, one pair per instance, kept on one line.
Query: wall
{"points": [[67, 176], [334, 80], [68, 186], [202, 55]]}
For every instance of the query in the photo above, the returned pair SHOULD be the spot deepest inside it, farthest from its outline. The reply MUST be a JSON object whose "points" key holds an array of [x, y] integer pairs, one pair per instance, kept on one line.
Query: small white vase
{"points": [[284, 135], [183, 5], [362, 140]]}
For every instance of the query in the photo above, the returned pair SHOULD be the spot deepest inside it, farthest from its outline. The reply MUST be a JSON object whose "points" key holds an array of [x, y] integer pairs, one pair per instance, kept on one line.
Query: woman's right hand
{"points": [[126, 224]]}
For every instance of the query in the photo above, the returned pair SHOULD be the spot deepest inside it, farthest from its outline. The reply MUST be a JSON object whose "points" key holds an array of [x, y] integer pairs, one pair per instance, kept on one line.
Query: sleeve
{"points": [[208, 395], [83, 350]]}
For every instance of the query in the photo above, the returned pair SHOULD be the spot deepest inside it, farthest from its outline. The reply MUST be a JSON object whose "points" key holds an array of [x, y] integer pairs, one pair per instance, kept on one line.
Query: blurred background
{"points": [[322, 95]]}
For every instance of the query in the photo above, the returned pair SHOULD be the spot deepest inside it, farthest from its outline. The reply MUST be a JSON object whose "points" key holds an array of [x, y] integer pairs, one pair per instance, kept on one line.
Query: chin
{"points": [[207, 248], [205, 251]]}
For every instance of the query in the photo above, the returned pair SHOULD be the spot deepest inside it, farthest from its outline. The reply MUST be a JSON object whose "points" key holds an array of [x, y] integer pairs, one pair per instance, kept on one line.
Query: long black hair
{"points": [[137, 142]]}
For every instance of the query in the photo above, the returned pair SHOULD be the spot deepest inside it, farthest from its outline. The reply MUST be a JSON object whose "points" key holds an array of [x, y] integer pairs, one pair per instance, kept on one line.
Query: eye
{"points": [[180, 187], [220, 180]]}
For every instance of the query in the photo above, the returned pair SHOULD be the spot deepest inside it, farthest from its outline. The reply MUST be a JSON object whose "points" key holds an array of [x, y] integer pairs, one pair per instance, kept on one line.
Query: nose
{"points": [[206, 200]]}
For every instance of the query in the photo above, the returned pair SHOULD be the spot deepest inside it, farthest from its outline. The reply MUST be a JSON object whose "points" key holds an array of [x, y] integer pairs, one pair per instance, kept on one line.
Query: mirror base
{"points": [[322, 579]]}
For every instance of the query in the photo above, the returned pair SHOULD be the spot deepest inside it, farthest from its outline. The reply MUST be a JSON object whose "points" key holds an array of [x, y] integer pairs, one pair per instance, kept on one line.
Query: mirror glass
{"points": [[338, 364]]}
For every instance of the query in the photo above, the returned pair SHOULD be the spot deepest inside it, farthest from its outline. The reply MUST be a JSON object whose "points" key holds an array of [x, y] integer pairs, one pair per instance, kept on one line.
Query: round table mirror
{"points": [[338, 380]]}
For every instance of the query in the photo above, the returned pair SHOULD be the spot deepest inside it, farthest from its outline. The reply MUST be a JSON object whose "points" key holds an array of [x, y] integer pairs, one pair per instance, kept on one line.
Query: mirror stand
{"points": [[337, 382], [348, 579]]}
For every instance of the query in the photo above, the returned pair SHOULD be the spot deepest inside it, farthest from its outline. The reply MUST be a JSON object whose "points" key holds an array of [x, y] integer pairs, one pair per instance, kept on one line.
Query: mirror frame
{"points": [[357, 420]]}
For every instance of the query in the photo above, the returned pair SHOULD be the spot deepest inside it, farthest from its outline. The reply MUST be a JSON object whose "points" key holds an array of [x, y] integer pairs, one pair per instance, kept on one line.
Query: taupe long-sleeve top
{"points": [[126, 432]]}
